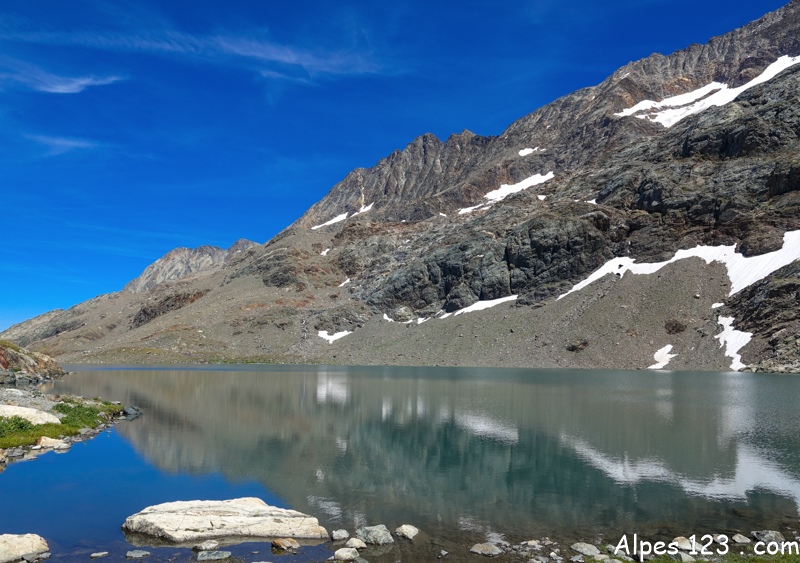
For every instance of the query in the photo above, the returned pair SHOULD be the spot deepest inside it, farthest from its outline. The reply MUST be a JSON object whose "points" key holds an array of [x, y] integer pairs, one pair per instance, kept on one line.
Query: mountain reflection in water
{"points": [[526, 452]]}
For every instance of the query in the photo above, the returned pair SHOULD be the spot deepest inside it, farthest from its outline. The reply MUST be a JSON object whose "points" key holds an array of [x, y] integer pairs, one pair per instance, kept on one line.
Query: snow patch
{"points": [[442, 214], [421, 320], [387, 318], [325, 252], [742, 271], [670, 111], [717, 305], [526, 152], [481, 305], [733, 340], [336, 219], [663, 357], [507, 189], [345, 282], [480, 207], [331, 337], [592, 201], [364, 209], [541, 197]]}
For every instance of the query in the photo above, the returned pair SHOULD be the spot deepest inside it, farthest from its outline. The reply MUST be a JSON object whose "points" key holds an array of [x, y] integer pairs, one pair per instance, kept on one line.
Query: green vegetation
{"points": [[16, 431], [10, 345], [14, 425]]}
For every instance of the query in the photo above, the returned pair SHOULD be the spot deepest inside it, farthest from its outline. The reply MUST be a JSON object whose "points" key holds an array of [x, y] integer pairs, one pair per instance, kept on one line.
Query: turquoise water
{"points": [[460, 453]]}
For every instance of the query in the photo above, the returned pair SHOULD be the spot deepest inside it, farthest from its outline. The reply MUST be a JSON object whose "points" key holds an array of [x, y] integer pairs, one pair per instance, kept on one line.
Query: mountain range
{"points": [[652, 220]]}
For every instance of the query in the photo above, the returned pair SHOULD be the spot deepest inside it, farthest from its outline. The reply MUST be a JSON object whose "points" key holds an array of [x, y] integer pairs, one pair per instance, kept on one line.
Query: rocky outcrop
{"points": [[188, 521], [13, 547], [13, 358], [182, 262], [164, 305], [34, 416]]}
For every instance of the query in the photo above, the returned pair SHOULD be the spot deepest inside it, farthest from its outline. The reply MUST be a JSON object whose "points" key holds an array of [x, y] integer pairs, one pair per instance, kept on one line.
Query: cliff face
{"points": [[693, 152]]}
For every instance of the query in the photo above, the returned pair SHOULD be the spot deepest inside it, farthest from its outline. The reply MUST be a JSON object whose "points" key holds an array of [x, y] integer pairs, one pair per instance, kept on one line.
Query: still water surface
{"points": [[460, 453]]}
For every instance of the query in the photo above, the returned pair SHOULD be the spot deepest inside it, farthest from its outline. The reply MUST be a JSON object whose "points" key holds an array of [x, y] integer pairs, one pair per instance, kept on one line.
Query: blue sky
{"points": [[128, 128]]}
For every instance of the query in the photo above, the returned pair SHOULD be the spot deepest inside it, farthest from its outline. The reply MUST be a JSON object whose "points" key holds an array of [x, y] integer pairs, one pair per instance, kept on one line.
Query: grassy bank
{"points": [[17, 431]]}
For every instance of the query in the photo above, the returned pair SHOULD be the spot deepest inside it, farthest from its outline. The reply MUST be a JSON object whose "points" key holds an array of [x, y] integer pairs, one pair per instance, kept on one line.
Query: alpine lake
{"points": [[465, 455]]}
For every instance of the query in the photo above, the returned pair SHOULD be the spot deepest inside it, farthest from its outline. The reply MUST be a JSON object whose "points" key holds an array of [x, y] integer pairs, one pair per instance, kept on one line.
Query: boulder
{"points": [[488, 549], [339, 535], [768, 536], [739, 538], [13, 547], [376, 535], [208, 545], [585, 549], [355, 543], [682, 543], [52, 443], [407, 531], [286, 544], [346, 554], [98, 554], [34, 416], [137, 554], [187, 521]]}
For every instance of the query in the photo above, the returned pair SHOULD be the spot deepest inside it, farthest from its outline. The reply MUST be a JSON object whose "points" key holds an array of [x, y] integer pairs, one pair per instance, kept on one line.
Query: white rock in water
{"points": [[208, 545], [739, 538], [186, 521], [682, 543], [13, 547], [355, 543], [339, 535], [52, 443], [346, 554], [486, 549], [407, 531], [586, 549], [34, 416], [98, 555]]}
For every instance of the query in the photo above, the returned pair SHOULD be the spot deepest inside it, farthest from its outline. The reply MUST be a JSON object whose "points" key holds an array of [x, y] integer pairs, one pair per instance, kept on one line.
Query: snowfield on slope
{"points": [[506, 190], [670, 111], [742, 272]]}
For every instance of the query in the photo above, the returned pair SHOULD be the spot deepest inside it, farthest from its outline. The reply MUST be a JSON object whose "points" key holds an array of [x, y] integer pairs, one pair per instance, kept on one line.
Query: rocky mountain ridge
{"points": [[182, 262], [445, 228]]}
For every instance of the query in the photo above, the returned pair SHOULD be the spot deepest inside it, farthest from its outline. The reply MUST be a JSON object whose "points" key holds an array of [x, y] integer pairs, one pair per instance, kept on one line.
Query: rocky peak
{"points": [[182, 262]]}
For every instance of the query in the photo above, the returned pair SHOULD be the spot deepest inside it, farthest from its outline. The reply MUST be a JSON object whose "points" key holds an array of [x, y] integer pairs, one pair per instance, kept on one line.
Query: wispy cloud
{"points": [[342, 61], [60, 145], [43, 81]]}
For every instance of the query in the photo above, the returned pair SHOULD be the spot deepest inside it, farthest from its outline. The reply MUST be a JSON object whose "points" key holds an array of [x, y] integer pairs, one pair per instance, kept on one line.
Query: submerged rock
{"points": [[488, 549], [407, 531], [137, 554], [376, 535], [768, 536], [186, 521], [98, 555], [585, 548], [355, 543], [286, 544], [213, 555], [14, 547], [346, 554]]}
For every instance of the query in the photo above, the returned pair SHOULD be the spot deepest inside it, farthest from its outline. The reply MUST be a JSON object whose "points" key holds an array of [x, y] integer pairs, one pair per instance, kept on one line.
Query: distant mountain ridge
{"points": [[181, 262], [465, 252]]}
